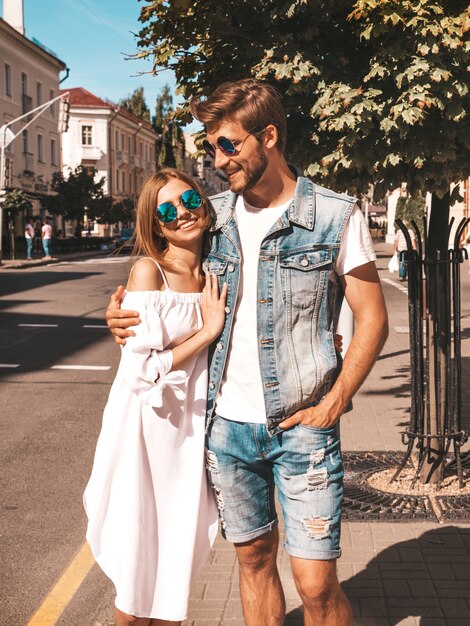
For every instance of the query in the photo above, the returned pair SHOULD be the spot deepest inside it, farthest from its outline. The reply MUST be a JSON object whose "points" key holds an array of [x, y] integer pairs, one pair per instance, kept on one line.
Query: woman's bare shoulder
{"points": [[145, 276]]}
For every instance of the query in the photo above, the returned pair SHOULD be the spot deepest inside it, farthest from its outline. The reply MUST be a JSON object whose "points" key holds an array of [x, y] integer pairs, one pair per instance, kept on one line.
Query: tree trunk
{"points": [[11, 230], [438, 337]]}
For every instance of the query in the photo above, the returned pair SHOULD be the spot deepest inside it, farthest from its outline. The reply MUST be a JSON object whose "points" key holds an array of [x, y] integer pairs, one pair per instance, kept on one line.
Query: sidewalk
{"points": [[10, 264], [393, 573]]}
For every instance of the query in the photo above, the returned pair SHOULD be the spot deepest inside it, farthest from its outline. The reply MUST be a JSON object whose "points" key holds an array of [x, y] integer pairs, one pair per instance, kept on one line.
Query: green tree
{"points": [[14, 203], [109, 212], [76, 194], [411, 208], [135, 103], [170, 140], [376, 91]]}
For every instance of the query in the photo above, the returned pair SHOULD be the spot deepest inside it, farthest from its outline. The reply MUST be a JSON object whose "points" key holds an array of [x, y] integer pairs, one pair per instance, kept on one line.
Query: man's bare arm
{"points": [[364, 295], [120, 321]]}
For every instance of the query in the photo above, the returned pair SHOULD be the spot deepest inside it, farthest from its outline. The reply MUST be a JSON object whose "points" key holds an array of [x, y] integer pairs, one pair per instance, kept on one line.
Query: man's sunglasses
{"points": [[167, 212], [225, 145]]}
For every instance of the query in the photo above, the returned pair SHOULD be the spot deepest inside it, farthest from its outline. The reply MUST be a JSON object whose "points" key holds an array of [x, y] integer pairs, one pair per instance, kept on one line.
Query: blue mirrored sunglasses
{"points": [[167, 212]]}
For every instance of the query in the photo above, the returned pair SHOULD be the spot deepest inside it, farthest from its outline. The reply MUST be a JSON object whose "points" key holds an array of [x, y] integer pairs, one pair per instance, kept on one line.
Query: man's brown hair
{"points": [[252, 103]]}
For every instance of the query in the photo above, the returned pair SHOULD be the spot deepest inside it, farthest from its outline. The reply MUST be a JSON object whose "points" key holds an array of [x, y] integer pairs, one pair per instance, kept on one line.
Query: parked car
{"points": [[125, 242]]}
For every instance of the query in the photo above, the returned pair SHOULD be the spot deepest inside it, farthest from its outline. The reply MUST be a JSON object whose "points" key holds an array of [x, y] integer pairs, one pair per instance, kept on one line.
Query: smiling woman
{"points": [[151, 517]]}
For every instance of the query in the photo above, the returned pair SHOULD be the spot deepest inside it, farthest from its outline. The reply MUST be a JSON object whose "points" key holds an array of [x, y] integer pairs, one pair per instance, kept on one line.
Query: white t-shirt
{"points": [[241, 397], [47, 231], [29, 231]]}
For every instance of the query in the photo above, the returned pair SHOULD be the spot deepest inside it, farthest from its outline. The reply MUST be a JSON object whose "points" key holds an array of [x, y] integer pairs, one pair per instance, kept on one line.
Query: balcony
{"points": [[122, 157], [90, 153], [150, 166]]}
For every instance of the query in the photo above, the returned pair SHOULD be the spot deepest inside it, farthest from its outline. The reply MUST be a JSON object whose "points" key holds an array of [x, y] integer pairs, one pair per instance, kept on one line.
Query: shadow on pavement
{"points": [[428, 578], [36, 349], [14, 282]]}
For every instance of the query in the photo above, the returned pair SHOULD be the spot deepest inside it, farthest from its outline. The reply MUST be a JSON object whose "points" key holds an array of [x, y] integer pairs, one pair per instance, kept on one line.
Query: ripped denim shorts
{"points": [[245, 464]]}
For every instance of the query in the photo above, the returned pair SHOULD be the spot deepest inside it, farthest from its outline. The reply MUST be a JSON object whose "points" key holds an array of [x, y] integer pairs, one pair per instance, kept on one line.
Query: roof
{"points": [[33, 44], [80, 97]]}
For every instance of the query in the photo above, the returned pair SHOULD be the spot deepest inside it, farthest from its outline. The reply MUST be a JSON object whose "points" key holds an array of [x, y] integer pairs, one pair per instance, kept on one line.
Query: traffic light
{"points": [[8, 173], [64, 115]]}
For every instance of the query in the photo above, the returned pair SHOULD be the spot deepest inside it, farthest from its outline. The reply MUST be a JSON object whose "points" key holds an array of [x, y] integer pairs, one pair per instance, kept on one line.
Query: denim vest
{"points": [[299, 298]]}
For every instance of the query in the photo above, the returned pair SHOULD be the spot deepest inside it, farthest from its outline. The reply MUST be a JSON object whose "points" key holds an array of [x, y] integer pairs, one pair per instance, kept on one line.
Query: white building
{"points": [[29, 77], [202, 168], [109, 139]]}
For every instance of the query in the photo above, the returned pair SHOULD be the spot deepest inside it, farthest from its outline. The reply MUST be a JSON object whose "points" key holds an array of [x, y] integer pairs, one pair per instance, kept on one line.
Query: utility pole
{"points": [[7, 136]]}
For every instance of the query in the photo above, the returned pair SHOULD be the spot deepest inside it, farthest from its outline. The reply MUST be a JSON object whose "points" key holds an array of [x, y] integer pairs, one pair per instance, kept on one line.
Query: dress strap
{"points": [[161, 272]]}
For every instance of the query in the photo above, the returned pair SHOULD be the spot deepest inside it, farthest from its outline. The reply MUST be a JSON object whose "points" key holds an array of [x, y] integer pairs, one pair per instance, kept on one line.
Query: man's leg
{"points": [[325, 603], [309, 476], [260, 586], [243, 485]]}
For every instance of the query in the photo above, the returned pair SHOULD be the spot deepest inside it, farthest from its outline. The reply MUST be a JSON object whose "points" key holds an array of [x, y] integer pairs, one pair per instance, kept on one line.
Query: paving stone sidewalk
{"points": [[394, 573]]}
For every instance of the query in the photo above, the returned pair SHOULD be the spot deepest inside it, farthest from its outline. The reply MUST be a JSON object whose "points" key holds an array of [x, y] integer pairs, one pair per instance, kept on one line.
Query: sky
{"points": [[93, 37]]}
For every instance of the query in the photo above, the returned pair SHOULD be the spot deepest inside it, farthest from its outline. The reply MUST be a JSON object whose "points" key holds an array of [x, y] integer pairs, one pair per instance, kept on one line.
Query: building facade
{"points": [[107, 138], [202, 168], [29, 77]]}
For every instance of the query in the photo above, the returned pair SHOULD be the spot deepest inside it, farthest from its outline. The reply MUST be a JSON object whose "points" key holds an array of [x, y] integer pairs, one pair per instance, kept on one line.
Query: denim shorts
{"points": [[245, 463]]}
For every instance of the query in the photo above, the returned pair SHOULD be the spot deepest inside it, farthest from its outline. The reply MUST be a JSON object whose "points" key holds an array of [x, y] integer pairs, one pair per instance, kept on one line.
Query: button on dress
{"points": [[151, 516]]}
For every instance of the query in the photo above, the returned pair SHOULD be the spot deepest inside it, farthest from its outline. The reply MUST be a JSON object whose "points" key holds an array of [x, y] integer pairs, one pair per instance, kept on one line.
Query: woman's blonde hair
{"points": [[148, 237]]}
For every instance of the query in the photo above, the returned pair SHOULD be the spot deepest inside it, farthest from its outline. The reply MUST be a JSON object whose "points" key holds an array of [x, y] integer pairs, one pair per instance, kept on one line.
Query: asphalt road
{"points": [[50, 419]]}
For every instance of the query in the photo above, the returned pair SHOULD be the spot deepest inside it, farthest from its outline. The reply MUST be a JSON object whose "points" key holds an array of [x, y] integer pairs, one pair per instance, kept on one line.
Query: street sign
{"points": [[6, 136]]}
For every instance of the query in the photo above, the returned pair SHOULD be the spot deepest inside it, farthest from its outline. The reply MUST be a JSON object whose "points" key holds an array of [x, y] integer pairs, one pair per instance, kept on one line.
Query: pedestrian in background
{"points": [[29, 236], [46, 234], [151, 516]]}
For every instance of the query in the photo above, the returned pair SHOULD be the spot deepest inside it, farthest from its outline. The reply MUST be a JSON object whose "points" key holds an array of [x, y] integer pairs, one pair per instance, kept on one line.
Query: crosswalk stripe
{"points": [[81, 367], [12, 365], [39, 325]]}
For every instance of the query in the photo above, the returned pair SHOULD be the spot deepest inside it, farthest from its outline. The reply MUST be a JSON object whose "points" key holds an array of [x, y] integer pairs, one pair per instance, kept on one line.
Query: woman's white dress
{"points": [[151, 516]]}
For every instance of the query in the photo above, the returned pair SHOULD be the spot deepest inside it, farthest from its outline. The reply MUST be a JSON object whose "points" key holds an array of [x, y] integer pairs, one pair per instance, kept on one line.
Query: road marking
{"points": [[393, 283], [94, 326], [39, 325], [81, 367], [402, 330], [9, 364], [65, 588]]}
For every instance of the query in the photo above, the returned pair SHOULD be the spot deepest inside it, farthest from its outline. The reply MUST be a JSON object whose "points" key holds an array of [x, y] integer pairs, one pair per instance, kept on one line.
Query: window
{"points": [[117, 180], [38, 94], [140, 149], [129, 145], [25, 142], [123, 141], [53, 152], [8, 91], [40, 148], [130, 182], [123, 181], [87, 135], [116, 140], [51, 97], [24, 84]]}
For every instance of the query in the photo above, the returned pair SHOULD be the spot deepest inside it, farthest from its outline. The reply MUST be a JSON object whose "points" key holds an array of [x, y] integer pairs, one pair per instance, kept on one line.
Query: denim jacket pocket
{"points": [[304, 275]]}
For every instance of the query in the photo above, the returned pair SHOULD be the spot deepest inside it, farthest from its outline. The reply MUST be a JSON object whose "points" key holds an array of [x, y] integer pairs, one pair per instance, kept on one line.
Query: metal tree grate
{"points": [[364, 503]]}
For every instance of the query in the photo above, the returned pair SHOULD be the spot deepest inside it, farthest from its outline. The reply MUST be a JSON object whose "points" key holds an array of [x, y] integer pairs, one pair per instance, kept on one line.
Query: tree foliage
{"points": [[411, 208], [135, 103], [16, 201], [375, 90], [170, 141], [77, 193]]}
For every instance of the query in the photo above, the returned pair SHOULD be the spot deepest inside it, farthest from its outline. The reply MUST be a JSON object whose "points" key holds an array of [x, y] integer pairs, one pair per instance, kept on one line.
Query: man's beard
{"points": [[252, 171]]}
